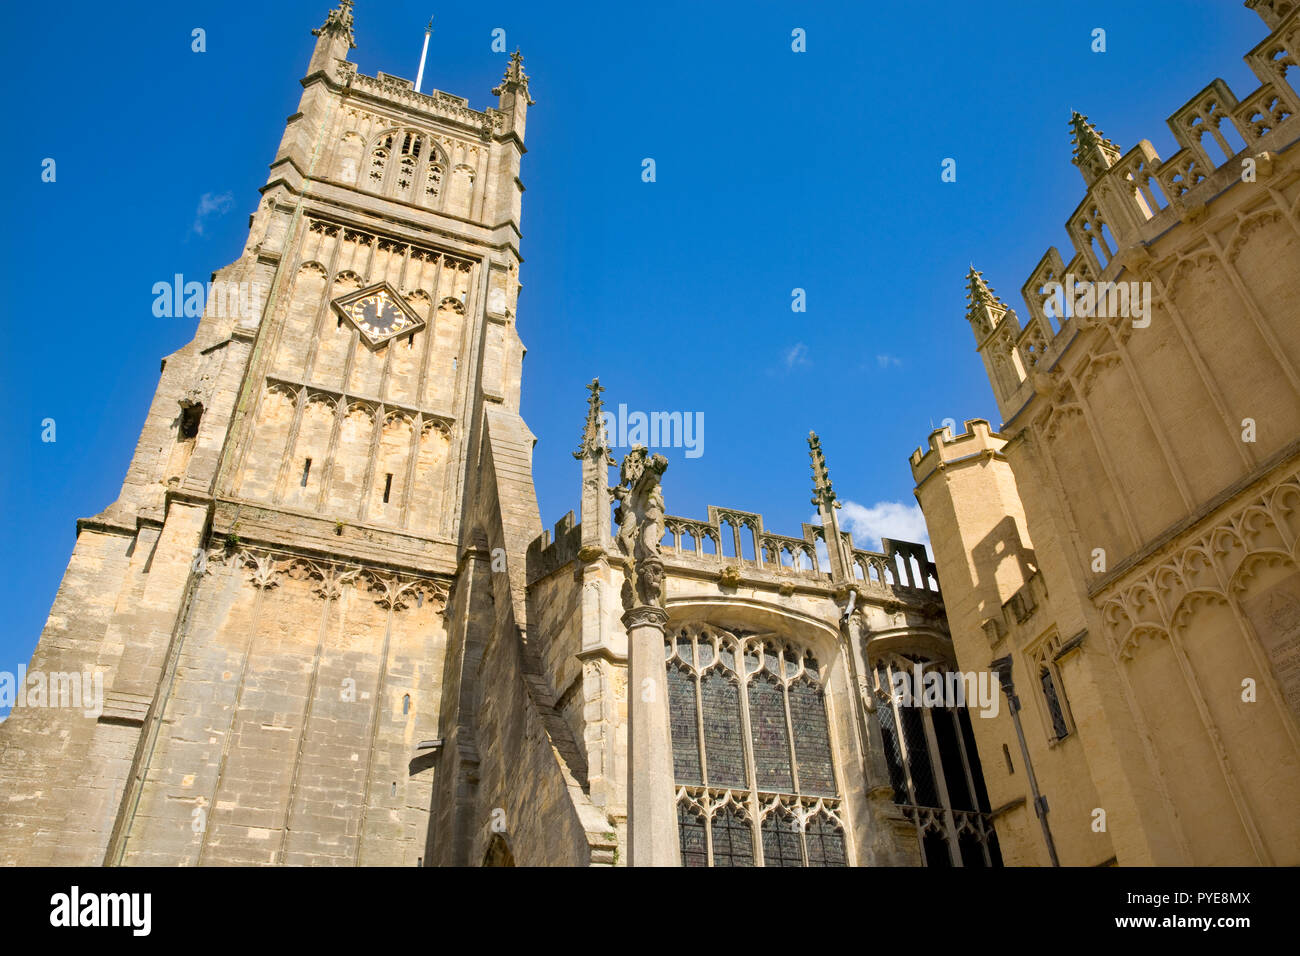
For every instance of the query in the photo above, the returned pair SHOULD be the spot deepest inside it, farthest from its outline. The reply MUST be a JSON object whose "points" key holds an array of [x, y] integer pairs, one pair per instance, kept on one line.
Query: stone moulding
{"points": [[390, 589]]}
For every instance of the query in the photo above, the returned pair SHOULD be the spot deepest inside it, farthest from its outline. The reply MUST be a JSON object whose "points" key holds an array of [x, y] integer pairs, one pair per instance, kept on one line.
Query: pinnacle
{"points": [[1088, 141], [978, 292], [593, 429], [822, 491]]}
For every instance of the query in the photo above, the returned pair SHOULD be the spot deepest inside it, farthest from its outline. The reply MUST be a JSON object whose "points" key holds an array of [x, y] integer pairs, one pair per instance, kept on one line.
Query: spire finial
{"points": [[1093, 152], [593, 431], [515, 79], [978, 292], [823, 493], [339, 22]]}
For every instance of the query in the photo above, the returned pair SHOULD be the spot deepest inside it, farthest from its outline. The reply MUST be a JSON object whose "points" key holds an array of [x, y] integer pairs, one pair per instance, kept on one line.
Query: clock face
{"points": [[378, 312]]}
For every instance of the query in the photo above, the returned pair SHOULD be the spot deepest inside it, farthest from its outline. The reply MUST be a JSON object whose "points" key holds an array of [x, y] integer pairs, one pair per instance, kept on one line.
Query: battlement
{"points": [[1135, 197], [977, 442], [436, 104]]}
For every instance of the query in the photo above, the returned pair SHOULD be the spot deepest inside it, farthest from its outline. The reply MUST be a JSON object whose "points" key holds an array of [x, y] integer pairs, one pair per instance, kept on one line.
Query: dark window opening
{"points": [[388, 487], [1059, 727], [406, 703], [306, 470], [1006, 755], [191, 415]]}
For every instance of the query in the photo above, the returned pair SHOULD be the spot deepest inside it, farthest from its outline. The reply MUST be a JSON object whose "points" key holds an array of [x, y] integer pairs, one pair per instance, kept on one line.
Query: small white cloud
{"points": [[884, 361], [210, 205], [797, 355], [885, 519]]}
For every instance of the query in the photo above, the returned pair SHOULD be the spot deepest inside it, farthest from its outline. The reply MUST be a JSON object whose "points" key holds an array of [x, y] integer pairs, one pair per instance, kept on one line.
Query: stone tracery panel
{"points": [[735, 702]]}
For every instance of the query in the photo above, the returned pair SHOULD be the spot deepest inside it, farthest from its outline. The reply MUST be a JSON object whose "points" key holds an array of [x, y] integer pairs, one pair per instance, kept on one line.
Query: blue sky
{"points": [[775, 170]]}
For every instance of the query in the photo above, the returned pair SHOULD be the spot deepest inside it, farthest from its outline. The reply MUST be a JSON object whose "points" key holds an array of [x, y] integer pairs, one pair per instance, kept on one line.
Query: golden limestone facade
{"points": [[1125, 549], [330, 626], [265, 599]]}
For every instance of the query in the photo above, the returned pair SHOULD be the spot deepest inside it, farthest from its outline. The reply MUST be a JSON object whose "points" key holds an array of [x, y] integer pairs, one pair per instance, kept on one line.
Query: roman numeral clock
{"points": [[378, 312]]}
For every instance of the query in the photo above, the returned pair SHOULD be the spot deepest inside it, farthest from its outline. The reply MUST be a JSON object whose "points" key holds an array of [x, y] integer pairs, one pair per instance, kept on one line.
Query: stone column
{"points": [[651, 806]]}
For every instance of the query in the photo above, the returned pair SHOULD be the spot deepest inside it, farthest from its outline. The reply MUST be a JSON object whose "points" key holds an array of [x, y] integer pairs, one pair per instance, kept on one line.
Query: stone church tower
{"points": [[1125, 550], [266, 595], [331, 627]]}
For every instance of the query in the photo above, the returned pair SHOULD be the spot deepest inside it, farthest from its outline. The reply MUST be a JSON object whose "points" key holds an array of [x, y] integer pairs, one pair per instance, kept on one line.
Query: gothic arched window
{"points": [[751, 752], [432, 183], [933, 764], [378, 161]]}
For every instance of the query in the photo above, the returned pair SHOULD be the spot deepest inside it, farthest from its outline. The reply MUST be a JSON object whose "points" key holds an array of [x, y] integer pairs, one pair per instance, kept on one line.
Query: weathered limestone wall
{"points": [[300, 693], [511, 769], [231, 590]]}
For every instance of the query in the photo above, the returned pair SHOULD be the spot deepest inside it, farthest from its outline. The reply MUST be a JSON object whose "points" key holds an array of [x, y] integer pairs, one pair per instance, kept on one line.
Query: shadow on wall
{"points": [[1002, 565]]}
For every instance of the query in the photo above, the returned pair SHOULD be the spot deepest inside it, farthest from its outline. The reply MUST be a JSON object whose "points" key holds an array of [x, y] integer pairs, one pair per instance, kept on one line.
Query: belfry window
{"points": [[378, 160], [934, 767], [407, 165], [751, 752], [433, 182]]}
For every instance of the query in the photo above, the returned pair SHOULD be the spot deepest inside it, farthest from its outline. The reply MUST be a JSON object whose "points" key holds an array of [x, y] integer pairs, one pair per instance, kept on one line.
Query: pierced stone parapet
{"points": [[441, 105]]}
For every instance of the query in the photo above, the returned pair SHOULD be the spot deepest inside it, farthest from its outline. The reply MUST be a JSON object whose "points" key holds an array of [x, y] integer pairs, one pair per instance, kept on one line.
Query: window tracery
{"points": [[407, 165], [752, 756], [935, 769]]}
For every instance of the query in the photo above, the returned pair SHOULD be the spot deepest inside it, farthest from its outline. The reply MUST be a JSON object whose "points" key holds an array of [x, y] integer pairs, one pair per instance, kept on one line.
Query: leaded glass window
{"points": [[934, 768], [1054, 710], [691, 832], [752, 753]]}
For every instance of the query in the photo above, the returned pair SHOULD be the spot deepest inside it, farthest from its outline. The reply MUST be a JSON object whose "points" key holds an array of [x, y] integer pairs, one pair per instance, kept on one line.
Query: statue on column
{"points": [[640, 518]]}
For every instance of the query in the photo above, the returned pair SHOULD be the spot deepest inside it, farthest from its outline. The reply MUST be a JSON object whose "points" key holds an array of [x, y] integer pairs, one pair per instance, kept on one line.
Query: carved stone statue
{"points": [[640, 517]]}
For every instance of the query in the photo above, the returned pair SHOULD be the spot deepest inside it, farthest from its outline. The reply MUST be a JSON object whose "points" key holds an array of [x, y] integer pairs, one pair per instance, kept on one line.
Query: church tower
{"points": [[266, 598]]}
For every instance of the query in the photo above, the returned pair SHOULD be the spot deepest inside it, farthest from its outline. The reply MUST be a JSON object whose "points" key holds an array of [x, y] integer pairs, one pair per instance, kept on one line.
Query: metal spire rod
{"points": [[419, 76]]}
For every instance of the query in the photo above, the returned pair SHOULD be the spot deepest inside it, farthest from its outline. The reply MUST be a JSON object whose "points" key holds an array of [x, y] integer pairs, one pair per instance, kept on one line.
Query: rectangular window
{"points": [[388, 487], [306, 470]]}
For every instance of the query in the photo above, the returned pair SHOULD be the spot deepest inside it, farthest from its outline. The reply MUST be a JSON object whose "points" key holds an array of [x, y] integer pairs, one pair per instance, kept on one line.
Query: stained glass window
{"points": [[812, 740], [685, 732], [742, 786], [781, 844], [825, 839], [690, 828], [724, 746], [771, 742], [733, 840]]}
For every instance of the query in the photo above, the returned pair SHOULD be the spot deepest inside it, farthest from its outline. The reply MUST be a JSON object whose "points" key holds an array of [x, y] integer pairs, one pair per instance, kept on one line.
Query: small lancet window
{"points": [[406, 703], [1059, 727], [306, 470], [388, 487]]}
